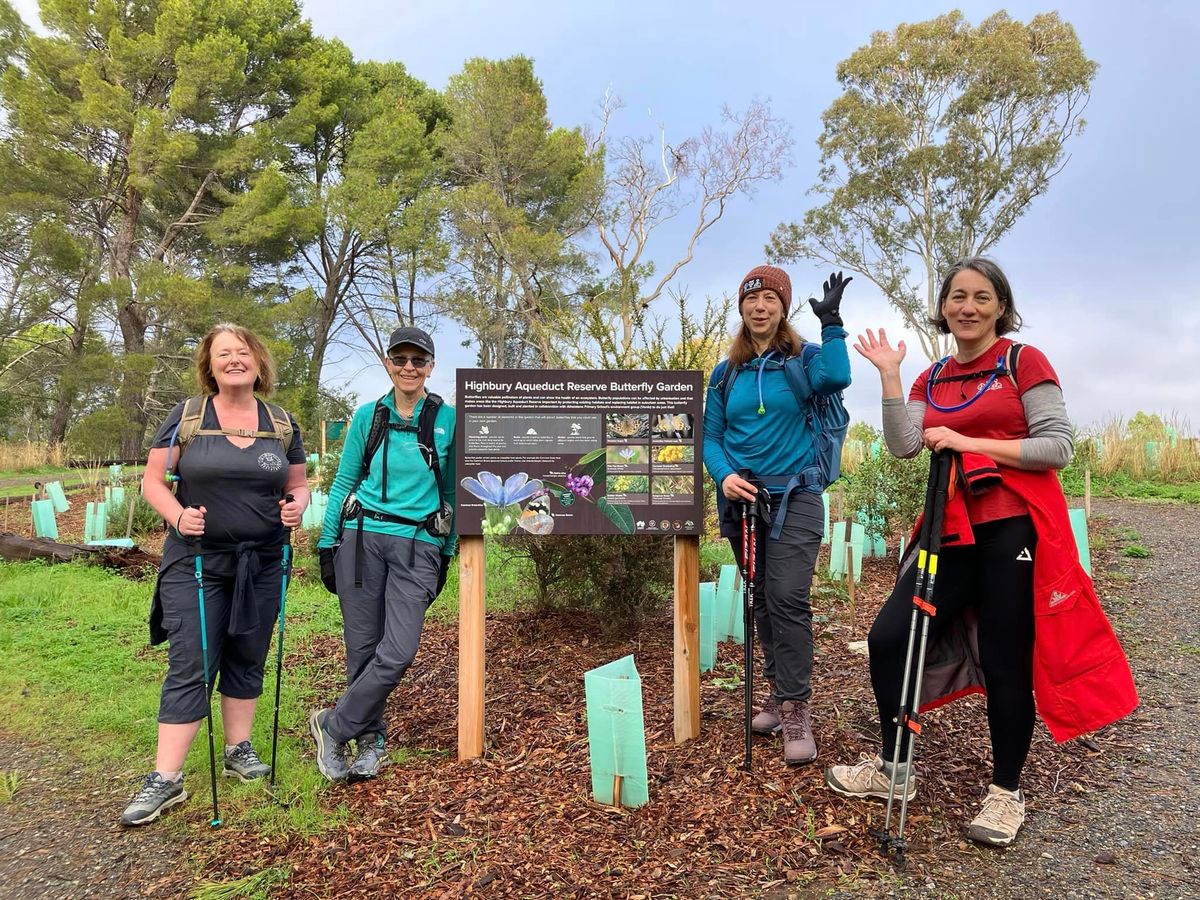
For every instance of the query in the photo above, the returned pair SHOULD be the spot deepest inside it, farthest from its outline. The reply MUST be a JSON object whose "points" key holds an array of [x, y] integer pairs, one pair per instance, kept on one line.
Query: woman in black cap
{"points": [[386, 551]]}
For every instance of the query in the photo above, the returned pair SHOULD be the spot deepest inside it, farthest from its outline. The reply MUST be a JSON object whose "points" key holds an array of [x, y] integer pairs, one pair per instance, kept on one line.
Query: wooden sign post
{"points": [[1087, 493], [687, 638], [472, 583]]}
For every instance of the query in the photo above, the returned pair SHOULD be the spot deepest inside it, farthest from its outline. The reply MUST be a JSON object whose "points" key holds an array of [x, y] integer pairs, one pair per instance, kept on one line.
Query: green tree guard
{"points": [[616, 734]]}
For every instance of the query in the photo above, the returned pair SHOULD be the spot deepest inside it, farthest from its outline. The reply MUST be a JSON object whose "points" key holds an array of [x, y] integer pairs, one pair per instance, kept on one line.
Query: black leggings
{"points": [[995, 576]]}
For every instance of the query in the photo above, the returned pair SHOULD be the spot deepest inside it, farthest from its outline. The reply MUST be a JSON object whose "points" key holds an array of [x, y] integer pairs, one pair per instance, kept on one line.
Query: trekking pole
{"points": [[212, 755], [287, 565], [928, 547], [749, 552]]}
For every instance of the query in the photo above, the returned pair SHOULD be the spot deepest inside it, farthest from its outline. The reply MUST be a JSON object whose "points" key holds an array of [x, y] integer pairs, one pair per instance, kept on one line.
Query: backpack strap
{"points": [[382, 427], [1010, 361]]}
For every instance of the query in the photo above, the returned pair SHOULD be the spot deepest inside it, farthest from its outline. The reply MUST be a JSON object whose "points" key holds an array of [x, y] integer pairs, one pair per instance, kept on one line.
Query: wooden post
{"points": [[850, 578], [687, 638], [617, 791], [1087, 493], [130, 499], [472, 554], [322, 439]]}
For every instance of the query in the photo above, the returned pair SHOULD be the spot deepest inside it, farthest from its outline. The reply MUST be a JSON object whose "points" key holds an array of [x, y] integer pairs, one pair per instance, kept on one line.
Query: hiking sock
{"points": [[174, 777]]}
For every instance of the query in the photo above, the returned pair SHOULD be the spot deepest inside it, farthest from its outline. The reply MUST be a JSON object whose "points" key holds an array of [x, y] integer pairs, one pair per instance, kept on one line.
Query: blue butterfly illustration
{"points": [[491, 490]]}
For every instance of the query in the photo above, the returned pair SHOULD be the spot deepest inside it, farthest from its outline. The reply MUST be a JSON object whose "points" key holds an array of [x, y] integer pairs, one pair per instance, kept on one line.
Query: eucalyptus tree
{"points": [[941, 139]]}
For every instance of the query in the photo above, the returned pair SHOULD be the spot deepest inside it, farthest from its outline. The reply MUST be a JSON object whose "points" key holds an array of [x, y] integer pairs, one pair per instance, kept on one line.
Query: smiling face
{"points": [[408, 378], [971, 308], [234, 365], [762, 311]]}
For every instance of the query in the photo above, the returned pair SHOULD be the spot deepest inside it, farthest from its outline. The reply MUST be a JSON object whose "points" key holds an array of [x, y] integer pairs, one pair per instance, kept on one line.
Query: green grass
{"points": [[251, 887], [9, 782], [1137, 551], [1122, 486], [75, 660]]}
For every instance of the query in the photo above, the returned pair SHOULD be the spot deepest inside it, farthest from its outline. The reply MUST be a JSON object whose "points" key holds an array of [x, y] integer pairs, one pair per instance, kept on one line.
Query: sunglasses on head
{"points": [[418, 362]]}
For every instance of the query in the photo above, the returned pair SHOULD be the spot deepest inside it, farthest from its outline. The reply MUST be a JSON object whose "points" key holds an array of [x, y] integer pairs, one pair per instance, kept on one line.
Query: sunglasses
{"points": [[418, 362]]}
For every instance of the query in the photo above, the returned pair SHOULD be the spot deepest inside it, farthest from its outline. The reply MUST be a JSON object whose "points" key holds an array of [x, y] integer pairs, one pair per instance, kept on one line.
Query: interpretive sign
{"points": [[551, 451]]}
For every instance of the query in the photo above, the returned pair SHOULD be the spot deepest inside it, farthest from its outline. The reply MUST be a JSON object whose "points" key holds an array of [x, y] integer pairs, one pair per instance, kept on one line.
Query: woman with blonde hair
{"points": [[219, 469]]}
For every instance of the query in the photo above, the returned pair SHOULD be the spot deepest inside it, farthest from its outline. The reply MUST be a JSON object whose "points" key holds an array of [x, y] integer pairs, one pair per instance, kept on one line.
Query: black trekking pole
{"points": [[908, 715], [212, 755], [287, 568], [749, 552]]}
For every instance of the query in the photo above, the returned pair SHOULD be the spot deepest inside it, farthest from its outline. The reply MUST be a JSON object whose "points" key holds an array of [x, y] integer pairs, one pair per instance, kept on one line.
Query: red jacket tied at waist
{"points": [[1081, 678]]}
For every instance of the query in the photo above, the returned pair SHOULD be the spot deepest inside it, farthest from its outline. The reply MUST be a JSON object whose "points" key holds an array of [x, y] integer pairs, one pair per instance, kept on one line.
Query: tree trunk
{"points": [[132, 319]]}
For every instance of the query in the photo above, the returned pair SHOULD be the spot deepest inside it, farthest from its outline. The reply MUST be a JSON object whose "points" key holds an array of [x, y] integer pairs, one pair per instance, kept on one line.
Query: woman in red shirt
{"points": [[971, 403]]}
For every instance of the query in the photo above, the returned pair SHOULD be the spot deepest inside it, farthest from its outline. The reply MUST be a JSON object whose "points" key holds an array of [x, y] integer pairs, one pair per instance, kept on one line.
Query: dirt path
{"points": [[1119, 821], [60, 838], [1129, 829]]}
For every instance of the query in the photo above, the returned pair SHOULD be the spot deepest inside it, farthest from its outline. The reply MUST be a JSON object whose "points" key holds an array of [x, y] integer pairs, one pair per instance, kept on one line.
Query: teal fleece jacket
{"points": [[412, 489], [778, 442]]}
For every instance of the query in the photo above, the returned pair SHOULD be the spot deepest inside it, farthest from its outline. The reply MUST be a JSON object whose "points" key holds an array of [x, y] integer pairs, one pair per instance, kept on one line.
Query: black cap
{"points": [[411, 335]]}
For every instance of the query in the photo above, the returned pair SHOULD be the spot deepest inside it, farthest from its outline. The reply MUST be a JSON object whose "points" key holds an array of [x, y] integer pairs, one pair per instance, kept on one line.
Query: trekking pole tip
{"points": [[215, 823]]}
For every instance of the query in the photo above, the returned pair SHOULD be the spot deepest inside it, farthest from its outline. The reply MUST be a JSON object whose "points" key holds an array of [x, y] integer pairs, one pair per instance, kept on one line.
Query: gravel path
{"points": [[1132, 831]]}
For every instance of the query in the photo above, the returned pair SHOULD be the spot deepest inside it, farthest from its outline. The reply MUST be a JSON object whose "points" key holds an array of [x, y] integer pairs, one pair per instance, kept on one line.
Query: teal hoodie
{"points": [[412, 489]]}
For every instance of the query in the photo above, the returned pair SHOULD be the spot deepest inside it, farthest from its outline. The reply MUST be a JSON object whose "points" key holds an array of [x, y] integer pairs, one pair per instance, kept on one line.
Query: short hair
{"points": [[265, 382], [1008, 321]]}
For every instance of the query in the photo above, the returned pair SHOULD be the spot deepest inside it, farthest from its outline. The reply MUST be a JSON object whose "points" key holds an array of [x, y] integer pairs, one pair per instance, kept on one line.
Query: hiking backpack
{"points": [[191, 422], [825, 414]]}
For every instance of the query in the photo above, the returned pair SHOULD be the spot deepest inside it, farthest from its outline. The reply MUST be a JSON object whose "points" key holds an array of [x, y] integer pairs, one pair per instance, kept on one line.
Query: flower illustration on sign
{"points": [[580, 484]]}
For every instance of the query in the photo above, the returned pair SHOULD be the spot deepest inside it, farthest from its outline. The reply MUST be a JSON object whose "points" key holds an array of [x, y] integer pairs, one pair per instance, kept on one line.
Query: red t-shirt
{"points": [[998, 414]]}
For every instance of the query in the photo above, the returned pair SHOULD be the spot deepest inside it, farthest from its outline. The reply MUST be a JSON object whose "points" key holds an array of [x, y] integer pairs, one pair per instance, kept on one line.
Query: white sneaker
{"points": [[868, 778], [1001, 818]]}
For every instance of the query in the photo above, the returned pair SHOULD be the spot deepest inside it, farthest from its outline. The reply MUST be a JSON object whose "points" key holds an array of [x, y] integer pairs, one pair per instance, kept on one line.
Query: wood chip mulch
{"points": [[522, 822]]}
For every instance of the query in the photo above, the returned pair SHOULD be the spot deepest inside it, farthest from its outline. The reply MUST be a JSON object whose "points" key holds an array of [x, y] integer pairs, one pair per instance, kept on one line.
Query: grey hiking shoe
{"points": [[155, 795], [868, 778], [371, 757], [767, 721], [1001, 818], [799, 745], [243, 762], [331, 754]]}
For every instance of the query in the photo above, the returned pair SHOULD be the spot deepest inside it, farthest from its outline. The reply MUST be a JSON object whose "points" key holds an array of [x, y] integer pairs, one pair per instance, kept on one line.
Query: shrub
{"points": [[625, 575], [329, 467], [98, 434], [889, 492], [145, 519]]}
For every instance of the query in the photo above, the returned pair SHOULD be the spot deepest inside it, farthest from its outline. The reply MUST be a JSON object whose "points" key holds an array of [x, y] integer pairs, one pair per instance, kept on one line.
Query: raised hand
{"points": [[829, 309], [882, 355]]}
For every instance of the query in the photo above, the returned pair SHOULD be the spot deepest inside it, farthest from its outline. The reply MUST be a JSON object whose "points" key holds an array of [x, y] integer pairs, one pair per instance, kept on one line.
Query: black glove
{"points": [[829, 309], [443, 574], [325, 556]]}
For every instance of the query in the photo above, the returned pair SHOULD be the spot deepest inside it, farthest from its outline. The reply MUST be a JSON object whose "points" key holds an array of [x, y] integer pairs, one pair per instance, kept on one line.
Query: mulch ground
{"points": [[521, 821]]}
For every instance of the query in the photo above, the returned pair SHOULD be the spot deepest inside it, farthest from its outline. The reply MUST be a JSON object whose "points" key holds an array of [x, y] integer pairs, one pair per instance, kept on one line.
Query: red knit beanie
{"points": [[767, 278]]}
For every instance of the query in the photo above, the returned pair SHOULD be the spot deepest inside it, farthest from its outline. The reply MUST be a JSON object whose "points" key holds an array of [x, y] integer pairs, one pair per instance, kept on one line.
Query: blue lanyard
{"points": [[933, 376]]}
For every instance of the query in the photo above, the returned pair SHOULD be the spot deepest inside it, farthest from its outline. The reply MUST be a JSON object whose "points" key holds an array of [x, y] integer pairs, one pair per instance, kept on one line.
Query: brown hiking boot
{"points": [[768, 720], [799, 745]]}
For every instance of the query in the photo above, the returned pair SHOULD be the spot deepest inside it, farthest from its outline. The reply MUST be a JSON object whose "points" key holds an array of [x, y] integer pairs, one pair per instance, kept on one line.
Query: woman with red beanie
{"points": [[1016, 613], [760, 447]]}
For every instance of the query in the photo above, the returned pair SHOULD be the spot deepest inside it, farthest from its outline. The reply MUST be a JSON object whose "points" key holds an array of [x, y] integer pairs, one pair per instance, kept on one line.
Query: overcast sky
{"points": [[1102, 267]]}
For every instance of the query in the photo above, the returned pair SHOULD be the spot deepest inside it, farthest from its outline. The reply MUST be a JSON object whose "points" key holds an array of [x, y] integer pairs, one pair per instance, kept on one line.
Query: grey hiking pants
{"points": [[782, 606], [381, 621]]}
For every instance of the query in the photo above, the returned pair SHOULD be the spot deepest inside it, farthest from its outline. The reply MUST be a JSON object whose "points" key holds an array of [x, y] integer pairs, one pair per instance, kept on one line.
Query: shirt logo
{"points": [[1057, 597], [270, 462], [1024, 555]]}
